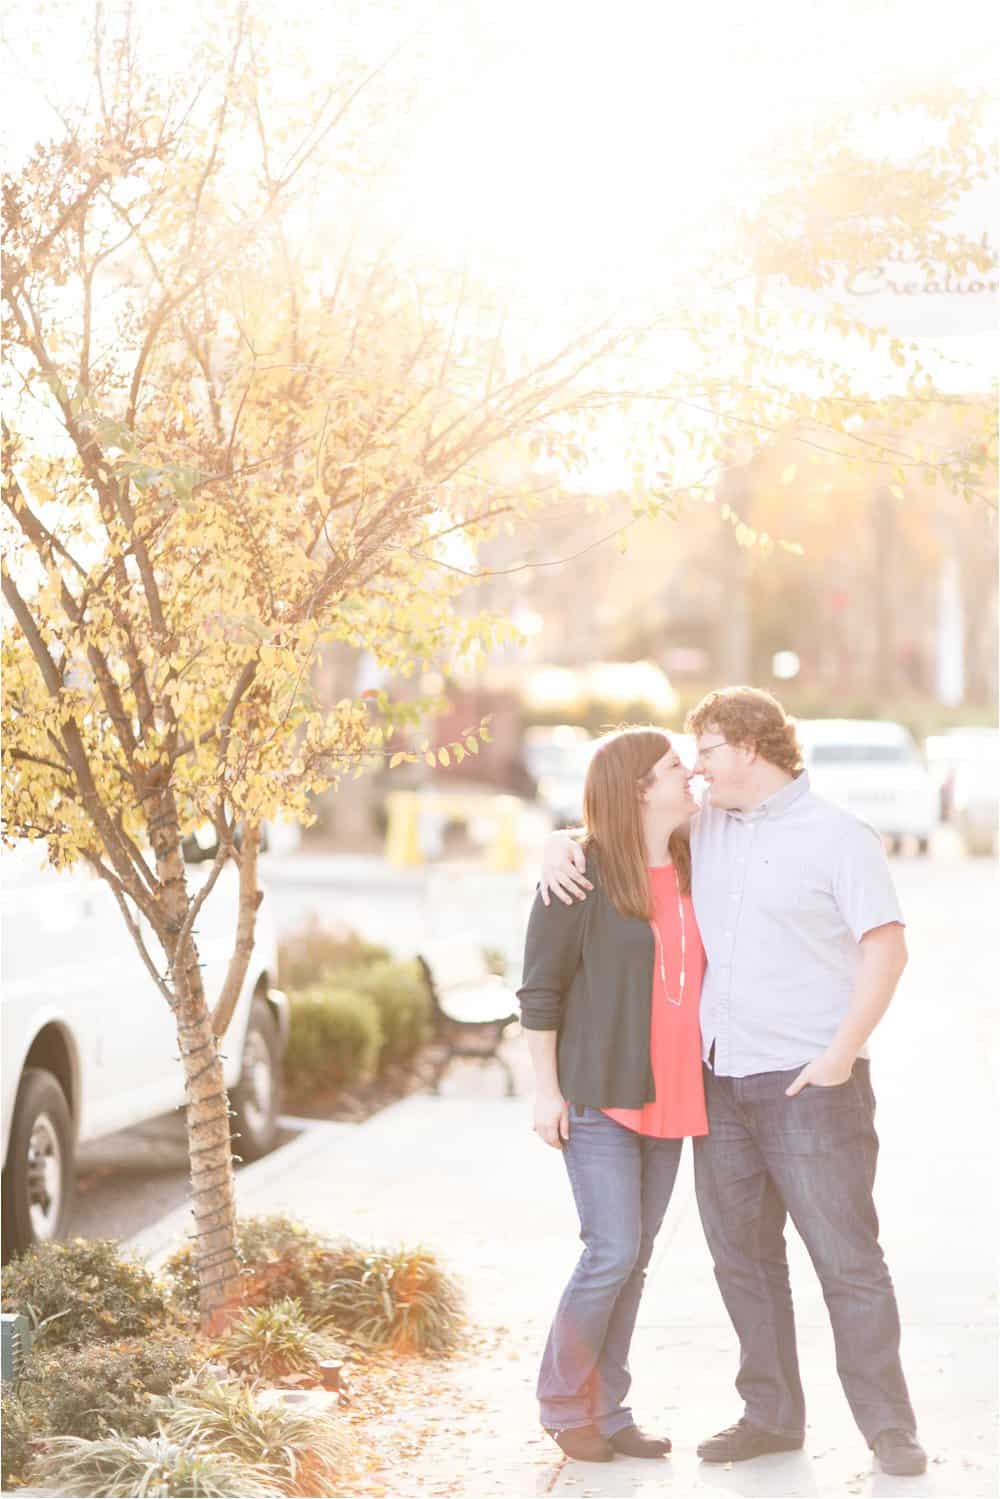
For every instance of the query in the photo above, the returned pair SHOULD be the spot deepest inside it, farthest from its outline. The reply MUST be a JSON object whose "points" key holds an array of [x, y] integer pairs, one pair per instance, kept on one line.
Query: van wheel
{"points": [[38, 1178], [256, 1097]]}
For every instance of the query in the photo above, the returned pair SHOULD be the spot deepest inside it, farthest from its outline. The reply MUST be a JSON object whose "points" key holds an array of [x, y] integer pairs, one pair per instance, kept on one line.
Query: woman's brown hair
{"points": [[612, 814]]}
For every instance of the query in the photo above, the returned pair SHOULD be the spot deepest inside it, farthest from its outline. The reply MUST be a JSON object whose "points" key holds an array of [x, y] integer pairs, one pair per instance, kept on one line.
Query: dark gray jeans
{"points": [[812, 1157], [621, 1183]]}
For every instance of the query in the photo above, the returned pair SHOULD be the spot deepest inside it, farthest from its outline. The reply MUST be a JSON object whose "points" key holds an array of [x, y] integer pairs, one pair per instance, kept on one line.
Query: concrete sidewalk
{"points": [[464, 1174]]}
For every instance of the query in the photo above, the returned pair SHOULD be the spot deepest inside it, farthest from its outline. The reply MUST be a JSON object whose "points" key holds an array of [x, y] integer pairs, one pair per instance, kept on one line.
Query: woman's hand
{"points": [[551, 1122], [563, 865]]}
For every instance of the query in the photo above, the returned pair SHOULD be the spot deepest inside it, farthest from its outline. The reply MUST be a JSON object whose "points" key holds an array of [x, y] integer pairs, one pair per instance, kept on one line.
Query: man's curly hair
{"points": [[752, 718]]}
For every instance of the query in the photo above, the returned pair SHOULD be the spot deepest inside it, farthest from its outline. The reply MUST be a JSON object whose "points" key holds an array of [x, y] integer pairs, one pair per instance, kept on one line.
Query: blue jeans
{"points": [[811, 1158], [621, 1183]]}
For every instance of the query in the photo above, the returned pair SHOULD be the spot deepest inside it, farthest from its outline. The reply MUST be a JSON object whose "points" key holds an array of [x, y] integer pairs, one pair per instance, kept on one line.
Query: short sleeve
{"points": [[863, 887]]}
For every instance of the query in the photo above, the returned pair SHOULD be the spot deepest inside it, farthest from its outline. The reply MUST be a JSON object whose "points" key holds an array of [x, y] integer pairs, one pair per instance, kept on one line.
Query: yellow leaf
{"points": [[431, 758], [443, 757], [397, 759], [472, 746]]}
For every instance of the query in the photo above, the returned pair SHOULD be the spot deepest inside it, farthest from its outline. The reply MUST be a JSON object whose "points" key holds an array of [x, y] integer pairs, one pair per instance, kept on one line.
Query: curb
{"points": [[154, 1243]]}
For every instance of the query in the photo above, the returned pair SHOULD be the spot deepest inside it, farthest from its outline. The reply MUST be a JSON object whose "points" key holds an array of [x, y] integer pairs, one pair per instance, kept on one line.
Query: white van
{"points": [[876, 771], [89, 1043]]}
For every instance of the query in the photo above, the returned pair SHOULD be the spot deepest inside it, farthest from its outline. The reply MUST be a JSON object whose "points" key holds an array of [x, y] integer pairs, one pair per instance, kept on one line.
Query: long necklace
{"points": [[659, 949]]}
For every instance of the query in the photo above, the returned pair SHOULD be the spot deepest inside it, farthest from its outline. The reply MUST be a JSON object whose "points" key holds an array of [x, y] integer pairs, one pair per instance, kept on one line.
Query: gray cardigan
{"points": [[588, 974]]}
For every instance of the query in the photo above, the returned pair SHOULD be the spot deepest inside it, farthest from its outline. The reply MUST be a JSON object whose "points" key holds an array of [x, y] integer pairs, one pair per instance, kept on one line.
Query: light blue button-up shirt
{"points": [[783, 896]]}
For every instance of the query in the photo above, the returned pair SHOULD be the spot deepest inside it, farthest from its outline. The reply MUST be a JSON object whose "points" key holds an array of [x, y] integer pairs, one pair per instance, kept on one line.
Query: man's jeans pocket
{"points": [[819, 1119]]}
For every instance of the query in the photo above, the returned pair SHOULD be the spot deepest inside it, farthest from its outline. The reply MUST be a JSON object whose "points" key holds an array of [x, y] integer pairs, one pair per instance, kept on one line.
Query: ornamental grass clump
{"points": [[89, 1290], [400, 1299], [298, 1452], [271, 1342], [152, 1467]]}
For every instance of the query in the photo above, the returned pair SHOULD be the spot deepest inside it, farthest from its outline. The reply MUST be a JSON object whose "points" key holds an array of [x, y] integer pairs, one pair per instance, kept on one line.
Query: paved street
{"points": [[130, 1179], [464, 1174]]}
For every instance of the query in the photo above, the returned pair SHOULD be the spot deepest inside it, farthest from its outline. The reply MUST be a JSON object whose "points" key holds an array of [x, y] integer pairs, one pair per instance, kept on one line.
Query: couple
{"points": [[716, 973]]}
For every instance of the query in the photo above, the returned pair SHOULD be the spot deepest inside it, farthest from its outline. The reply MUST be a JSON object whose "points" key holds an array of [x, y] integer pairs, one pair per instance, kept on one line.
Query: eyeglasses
{"points": [[706, 749]]}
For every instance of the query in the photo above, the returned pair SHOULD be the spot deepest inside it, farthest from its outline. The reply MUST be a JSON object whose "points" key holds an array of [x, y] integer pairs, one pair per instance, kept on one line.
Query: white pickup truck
{"points": [[89, 1043]]}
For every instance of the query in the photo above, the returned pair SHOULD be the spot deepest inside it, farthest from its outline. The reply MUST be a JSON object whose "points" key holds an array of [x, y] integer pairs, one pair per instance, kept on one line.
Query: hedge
{"points": [[400, 995], [335, 1038], [313, 953]]}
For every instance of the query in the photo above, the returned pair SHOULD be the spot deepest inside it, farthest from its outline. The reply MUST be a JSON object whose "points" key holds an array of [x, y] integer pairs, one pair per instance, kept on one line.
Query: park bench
{"points": [[472, 1007]]}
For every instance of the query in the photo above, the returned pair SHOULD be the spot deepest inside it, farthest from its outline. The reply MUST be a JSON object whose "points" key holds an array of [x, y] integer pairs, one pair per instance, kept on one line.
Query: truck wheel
{"points": [[256, 1097], [38, 1178]]}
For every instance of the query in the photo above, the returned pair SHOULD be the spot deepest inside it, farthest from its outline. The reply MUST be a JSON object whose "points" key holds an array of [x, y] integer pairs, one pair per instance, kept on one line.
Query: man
{"points": [[805, 947]]}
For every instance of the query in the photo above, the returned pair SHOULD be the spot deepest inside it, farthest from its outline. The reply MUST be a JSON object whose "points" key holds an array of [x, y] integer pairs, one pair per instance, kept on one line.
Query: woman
{"points": [[610, 1002]]}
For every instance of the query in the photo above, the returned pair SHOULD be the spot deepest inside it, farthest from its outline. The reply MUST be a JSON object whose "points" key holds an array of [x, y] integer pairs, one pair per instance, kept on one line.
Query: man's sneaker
{"points": [[899, 1453], [737, 1443], [584, 1443]]}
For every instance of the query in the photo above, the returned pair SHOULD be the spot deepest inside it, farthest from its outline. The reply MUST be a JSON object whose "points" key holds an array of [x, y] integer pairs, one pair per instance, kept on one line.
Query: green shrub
{"points": [[335, 1038], [150, 1466], [269, 1342], [104, 1295], [389, 1298], [88, 1392], [281, 1258], [18, 1434], [271, 1237], [401, 997], [313, 953], [294, 1450]]}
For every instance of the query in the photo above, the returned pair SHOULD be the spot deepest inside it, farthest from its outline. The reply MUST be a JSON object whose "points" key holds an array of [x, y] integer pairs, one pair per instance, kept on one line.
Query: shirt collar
{"points": [[779, 802]]}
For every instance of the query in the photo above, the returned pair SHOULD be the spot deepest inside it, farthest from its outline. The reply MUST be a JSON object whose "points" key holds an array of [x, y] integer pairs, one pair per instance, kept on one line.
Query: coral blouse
{"points": [[675, 1034]]}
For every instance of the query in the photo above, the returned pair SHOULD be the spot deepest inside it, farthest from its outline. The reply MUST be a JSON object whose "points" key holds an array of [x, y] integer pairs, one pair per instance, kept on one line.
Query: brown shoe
{"points": [[744, 1440], [899, 1453], [631, 1442], [583, 1443]]}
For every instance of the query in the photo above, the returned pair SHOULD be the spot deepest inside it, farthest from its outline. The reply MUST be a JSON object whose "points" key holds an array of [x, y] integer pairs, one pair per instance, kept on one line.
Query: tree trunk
{"points": [[206, 1100], [210, 1154]]}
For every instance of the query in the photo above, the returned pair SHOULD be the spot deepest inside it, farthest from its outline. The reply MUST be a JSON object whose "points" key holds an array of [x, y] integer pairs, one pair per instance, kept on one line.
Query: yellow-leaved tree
{"points": [[219, 454]]}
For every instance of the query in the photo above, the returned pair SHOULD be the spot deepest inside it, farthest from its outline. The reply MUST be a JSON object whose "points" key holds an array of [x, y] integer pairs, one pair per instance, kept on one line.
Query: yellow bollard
{"points": [[505, 851], [402, 843]]}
